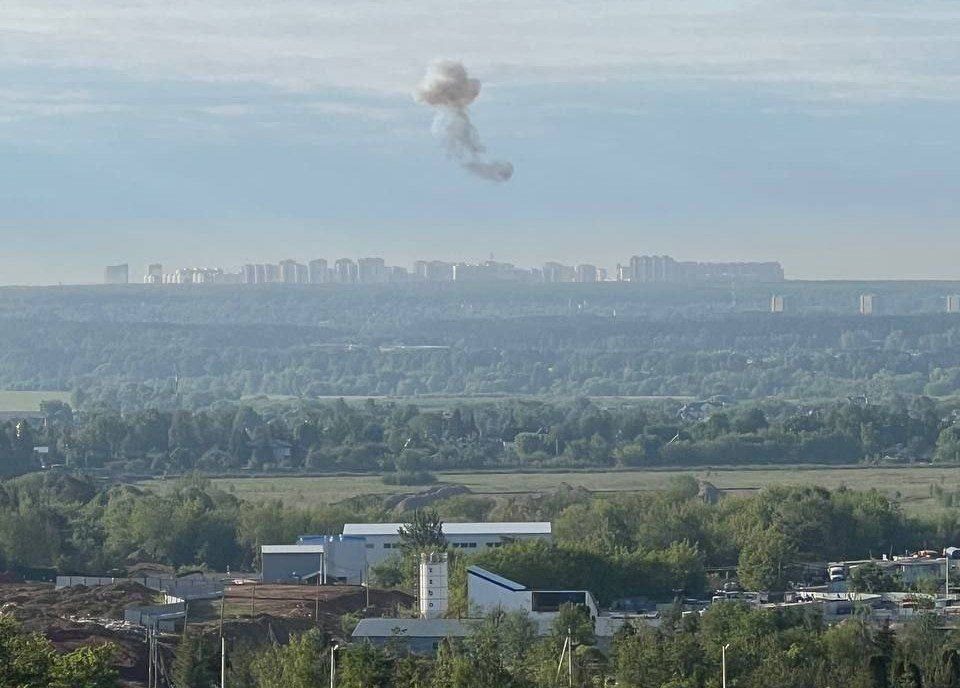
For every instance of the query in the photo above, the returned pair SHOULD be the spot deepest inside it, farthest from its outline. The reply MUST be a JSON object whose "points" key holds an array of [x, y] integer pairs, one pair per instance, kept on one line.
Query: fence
{"points": [[184, 588]]}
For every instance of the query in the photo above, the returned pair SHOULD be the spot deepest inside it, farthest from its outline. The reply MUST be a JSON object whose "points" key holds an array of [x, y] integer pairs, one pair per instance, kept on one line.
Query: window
{"points": [[387, 545], [369, 546]]}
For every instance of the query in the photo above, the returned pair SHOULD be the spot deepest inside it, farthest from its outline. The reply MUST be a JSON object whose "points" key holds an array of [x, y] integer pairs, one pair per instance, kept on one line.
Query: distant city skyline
{"points": [[821, 134], [377, 270]]}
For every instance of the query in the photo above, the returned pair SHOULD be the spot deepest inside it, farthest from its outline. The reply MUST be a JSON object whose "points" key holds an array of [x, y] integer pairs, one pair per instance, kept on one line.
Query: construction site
{"points": [[246, 612]]}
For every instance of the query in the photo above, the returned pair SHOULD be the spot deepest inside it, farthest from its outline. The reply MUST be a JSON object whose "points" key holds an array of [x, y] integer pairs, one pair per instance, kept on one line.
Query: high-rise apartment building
{"points": [[271, 273], [868, 304], [953, 303], [318, 271], [433, 270], [116, 274], [154, 274], [345, 271], [776, 303], [587, 273], [557, 272], [371, 271], [292, 272]]}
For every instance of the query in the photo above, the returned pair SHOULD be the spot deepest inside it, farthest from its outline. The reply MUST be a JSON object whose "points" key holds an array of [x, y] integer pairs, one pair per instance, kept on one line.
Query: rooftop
{"points": [[454, 529], [291, 549], [411, 628]]}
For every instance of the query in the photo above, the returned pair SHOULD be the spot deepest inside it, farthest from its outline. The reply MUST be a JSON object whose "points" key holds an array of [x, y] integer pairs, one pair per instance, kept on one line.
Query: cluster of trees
{"points": [[653, 543], [136, 348], [762, 649], [29, 660], [411, 440]]}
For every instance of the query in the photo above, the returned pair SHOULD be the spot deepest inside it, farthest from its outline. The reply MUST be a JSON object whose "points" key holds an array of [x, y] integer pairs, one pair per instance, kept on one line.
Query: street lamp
{"points": [[333, 663], [723, 663]]}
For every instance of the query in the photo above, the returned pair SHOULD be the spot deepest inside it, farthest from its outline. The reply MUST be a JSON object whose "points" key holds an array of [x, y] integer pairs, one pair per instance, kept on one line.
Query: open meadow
{"points": [[912, 485], [16, 401]]}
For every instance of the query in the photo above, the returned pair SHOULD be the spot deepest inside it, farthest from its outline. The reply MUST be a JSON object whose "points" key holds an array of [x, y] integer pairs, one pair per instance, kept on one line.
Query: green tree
{"points": [[424, 532], [763, 560]]}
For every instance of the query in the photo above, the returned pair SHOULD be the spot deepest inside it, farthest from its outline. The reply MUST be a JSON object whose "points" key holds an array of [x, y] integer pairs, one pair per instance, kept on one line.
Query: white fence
{"points": [[184, 588]]}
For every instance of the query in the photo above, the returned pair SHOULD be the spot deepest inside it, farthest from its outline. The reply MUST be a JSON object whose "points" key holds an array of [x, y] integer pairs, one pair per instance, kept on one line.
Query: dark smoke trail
{"points": [[449, 89]]}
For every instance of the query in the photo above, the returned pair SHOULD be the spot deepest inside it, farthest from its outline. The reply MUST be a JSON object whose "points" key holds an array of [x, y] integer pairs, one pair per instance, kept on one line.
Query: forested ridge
{"points": [[408, 441], [127, 345]]}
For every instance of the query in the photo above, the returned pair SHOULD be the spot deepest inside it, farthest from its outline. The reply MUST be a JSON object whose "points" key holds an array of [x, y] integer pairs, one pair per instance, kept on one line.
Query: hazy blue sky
{"points": [[821, 134]]}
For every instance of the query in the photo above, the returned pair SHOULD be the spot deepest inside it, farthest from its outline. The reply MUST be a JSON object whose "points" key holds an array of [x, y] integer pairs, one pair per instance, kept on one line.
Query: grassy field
{"points": [[912, 485], [13, 401]]}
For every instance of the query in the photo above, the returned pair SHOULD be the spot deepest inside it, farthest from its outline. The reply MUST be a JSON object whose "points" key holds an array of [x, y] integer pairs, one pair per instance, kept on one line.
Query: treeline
{"points": [[759, 648], [138, 348], [409, 441], [650, 544]]}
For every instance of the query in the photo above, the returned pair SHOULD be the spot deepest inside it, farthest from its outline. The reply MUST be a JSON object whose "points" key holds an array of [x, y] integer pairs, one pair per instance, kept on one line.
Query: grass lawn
{"points": [[12, 401], [911, 484]]}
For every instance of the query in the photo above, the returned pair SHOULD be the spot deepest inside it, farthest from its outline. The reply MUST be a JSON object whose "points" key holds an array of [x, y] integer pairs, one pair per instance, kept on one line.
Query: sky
{"points": [[820, 134]]}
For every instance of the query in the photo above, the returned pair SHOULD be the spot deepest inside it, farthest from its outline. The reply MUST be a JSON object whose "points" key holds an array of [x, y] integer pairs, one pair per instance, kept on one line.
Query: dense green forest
{"points": [[764, 649], [618, 546], [408, 440], [657, 544], [138, 347]]}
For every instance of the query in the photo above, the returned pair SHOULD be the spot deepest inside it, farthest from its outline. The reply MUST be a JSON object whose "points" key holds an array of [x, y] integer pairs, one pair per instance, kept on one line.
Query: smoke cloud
{"points": [[449, 89]]}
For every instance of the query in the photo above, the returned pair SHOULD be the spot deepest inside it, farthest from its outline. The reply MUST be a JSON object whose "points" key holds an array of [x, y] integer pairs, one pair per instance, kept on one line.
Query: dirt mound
{"points": [[37, 606], [404, 503]]}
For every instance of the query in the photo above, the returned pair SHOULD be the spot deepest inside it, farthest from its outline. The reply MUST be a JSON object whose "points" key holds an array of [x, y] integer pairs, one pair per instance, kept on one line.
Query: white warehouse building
{"points": [[331, 558], [382, 538]]}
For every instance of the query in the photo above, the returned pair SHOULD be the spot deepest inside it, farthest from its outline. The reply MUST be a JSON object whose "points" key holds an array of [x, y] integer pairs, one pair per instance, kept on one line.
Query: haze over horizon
{"points": [[218, 133]]}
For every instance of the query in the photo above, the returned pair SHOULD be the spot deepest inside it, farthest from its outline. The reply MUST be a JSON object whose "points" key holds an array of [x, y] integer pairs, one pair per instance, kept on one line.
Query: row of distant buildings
{"points": [[870, 304], [641, 269]]}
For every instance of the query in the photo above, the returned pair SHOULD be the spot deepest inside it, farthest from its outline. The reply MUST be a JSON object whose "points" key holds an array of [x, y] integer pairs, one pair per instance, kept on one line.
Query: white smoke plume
{"points": [[449, 89]]}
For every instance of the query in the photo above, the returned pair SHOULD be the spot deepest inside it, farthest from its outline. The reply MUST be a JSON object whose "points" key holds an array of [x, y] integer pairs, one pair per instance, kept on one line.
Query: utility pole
{"points": [[223, 662], [333, 664], [149, 657], [316, 613], [723, 663], [366, 586], [223, 603], [946, 585], [253, 602]]}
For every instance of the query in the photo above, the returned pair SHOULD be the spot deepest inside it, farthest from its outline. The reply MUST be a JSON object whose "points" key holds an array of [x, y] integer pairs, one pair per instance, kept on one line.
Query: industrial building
{"points": [[383, 538], [486, 592], [322, 559]]}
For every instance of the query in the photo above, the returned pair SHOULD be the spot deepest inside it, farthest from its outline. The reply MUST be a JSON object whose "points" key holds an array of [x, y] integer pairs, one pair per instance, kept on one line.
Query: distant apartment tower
{"points": [[776, 303], [371, 271], [116, 274], [953, 303], [248, 274], [271, 273], [653, 269], [154, 274], [345, 271], [557, 272], [292, 272], [490, 271], [433, 270], [318, 273], [588, 273], [288, 271], [868, 304]]}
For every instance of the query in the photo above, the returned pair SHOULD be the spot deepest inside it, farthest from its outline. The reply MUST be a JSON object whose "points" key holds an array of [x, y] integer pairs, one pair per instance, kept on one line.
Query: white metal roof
{"points": [[411, 628], [291, 549], [492, 577], [454, 529]]}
